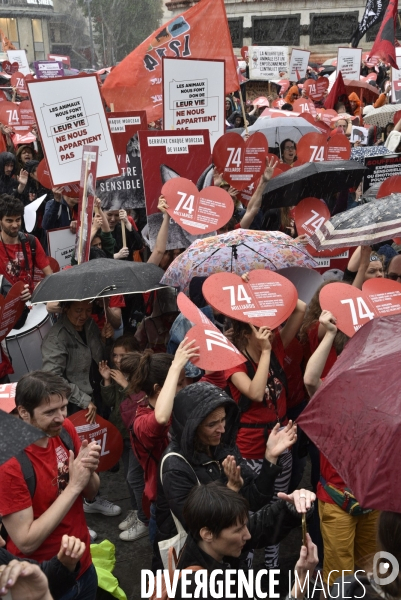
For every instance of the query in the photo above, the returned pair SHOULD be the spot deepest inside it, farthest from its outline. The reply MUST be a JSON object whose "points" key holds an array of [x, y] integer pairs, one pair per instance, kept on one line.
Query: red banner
{"points": [[200, 32]]}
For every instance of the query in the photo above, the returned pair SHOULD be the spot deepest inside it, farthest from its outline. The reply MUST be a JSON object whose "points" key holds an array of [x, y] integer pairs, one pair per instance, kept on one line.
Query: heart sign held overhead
{"points": [[240, 162], [197, 212], [353, 308], [310, 214], [18, 82], [104, 433], [11, 309], [392, 185], [10, 68], [317, 147], [216, 352], [267, 299], [304, 105], [316, 89]]}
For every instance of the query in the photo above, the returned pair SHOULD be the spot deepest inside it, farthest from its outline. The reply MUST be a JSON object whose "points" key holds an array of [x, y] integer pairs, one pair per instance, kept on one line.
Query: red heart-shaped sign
{"points": [[240, 162], [208, 338], [304, 105], [326, 116], [267, 299], [104, 433], [310, 214], [323, 128], [349, 305], [9, 114], [197, 212], [392, 185], [316, 89], [384, 294], [11, 309], [10, 68], [43, 174], [26, 114], [278, 103], [18, 82], [353, 308], [316, 147]]}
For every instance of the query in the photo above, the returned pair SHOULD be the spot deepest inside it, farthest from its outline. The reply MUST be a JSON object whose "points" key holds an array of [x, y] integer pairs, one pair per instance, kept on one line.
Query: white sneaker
{"points": [[138, 530], [103, 506], [92, 535], [130, 519]]}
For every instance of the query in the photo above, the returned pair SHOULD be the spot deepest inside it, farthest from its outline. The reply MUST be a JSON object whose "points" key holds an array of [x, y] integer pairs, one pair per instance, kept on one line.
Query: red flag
{"points": [[384, 46], [200, 32], [338, 94]]}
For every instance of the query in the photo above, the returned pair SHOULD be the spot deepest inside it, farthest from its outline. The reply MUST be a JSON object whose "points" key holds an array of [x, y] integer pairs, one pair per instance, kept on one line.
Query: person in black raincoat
{"points": [[10, 182], [203, 449]]}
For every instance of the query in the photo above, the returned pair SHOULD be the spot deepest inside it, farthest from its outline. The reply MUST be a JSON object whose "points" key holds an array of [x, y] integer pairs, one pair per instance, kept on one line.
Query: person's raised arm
{"points": [[255, 388], [164, 405], [162, 236], [317, 361], [256, 200], [293, 324], [104, 225], [363, 266]]}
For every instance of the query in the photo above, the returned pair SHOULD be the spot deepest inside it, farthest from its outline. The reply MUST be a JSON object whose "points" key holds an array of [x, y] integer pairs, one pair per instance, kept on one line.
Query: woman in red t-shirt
{"points": [[259, 388]]}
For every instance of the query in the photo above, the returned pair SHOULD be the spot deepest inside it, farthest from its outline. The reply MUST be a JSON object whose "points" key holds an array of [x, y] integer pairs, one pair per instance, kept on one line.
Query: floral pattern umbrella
{"points": [[237, 251]]}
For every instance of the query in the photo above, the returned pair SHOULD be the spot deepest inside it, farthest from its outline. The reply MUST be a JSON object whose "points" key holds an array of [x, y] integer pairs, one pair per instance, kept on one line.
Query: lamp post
{"points": [[91, 34]]}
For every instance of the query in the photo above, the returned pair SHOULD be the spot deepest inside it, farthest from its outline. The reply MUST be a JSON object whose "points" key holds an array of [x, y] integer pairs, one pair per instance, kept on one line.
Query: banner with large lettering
{"points": [[126, 190]]}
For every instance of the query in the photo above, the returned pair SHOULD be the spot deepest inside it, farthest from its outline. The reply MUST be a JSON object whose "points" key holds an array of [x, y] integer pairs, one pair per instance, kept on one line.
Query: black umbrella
{"points": [[377, 221], [317, 179], [98, 278], [15, 435]]}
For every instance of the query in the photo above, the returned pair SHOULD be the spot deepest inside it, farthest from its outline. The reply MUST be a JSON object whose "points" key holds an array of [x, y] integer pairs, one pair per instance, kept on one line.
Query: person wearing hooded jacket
{"points": [[204, 429], [355, 104], [9, 184]]}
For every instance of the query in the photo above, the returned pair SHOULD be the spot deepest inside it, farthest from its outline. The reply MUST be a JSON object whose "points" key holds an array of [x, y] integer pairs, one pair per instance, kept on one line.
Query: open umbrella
{"points": [[237, 251], [377, 221], [362, 88], [279, 129], [15, 435], [98, 278], [355, 416], [363, 152], [383, 115], [317, 179]]}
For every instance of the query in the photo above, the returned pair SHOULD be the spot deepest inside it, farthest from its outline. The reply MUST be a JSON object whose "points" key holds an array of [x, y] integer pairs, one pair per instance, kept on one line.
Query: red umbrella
{"points": [[362, 88], [355, 416]]}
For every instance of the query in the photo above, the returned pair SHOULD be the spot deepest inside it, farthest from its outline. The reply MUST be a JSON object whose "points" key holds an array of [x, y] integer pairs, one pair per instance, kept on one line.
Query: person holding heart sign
{"points": [[259, 386], [348, 530]]}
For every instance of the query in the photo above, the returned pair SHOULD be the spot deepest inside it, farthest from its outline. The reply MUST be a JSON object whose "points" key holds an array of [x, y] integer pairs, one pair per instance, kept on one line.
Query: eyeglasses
{"points": [[393, 276], [289, 148]]}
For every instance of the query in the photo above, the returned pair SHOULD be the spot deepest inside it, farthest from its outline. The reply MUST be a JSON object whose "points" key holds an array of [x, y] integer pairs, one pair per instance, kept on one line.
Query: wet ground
{"points": [[131, 557]]}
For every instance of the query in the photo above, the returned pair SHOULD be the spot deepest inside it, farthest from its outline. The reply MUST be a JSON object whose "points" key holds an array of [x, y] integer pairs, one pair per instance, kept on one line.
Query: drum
{"points": [[24, 344]]}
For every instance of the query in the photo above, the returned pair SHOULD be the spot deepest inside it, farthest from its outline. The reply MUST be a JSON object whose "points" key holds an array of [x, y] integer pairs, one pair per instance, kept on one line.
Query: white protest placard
{"points": [[359, 134], [298, 64], [396, 76], [349, 62], [61, 243], [69, 113], [19, 56], [268, 62], [194, 95]]}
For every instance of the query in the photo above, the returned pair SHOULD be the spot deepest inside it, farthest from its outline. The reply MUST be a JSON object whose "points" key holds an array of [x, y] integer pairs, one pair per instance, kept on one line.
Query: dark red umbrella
{"points": [[355, 416]]}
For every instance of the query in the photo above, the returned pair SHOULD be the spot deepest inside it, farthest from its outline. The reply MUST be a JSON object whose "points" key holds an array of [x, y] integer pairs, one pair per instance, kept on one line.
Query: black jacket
{"points": [[267, 526], [191, 406], [8, 184], [60, 579]]}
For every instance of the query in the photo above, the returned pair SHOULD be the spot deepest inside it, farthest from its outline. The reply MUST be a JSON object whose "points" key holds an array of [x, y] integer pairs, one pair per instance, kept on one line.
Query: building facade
{"points": [[317, 26], [26, 24]]}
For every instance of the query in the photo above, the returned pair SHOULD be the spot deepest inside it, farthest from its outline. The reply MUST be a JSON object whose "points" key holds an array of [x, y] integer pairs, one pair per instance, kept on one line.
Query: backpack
{"points": [[27, 468], [172, 556]]}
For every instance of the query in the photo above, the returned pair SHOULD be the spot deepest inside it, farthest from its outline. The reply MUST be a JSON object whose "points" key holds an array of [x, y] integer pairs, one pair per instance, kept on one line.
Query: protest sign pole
{"points": [[361, 98], [243, 112], [122, 222], [83, 211]]}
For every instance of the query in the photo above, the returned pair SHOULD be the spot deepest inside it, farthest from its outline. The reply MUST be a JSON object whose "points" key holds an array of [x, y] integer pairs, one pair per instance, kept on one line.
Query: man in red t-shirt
{"points": [[35, 524], [17, 260]]}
